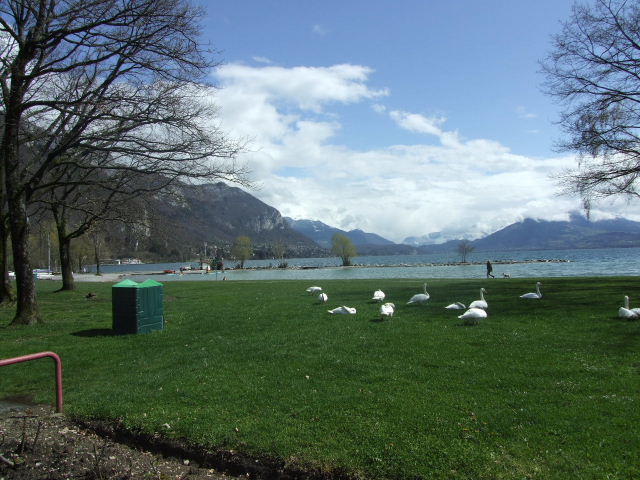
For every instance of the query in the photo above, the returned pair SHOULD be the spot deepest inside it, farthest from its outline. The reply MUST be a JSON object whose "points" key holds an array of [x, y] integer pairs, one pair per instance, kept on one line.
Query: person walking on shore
{"points": [[489, 270]]}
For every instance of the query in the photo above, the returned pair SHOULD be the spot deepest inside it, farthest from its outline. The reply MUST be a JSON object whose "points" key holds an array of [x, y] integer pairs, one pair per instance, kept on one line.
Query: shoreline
{"points": [[118, 276]]}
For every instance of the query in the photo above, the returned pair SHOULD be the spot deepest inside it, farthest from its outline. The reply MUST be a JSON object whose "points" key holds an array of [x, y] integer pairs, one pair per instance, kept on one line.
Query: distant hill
{"points": [[322, 233], [576, 233], [182, 219]]}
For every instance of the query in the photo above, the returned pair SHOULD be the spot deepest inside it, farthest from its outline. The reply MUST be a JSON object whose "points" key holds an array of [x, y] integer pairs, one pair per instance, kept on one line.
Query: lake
{"points": [[526, 263]]}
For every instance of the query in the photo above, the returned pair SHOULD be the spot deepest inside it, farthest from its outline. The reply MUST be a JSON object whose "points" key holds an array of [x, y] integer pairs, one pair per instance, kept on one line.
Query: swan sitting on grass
{"points": [[625, 312], [455, 306], [343, 310], [378, 296], [534, 295], [314, 290], [420, 297]]}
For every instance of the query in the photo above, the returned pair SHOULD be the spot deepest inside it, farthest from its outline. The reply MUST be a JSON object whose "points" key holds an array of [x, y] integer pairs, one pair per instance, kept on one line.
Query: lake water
{"points": [[527, 263]]}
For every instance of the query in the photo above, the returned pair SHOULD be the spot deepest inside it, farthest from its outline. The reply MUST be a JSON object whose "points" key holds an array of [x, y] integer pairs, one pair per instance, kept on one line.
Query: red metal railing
{"points": [[35, 356]]}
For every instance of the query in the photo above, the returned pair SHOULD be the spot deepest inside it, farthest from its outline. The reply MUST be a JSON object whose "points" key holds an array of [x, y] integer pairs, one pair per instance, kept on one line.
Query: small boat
{"points": [[169, 271]]}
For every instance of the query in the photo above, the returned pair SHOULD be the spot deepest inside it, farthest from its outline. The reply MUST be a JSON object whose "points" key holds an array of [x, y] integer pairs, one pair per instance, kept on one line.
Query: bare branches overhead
{"points": [[109, 93], [594, 71]]}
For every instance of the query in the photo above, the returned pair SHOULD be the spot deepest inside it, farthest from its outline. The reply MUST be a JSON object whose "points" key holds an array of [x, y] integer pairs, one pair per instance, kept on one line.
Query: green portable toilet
{"points": [[137, 307]]}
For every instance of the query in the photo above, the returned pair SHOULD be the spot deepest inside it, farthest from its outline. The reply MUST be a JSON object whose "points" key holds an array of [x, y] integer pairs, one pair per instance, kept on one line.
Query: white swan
{"points": [[314, 290], [387, 310], [456, 306], [482, 303], [473, 316], [625, 312], [378, 296], [323, 297], [534, 295], [343, 310], [420, 297]]}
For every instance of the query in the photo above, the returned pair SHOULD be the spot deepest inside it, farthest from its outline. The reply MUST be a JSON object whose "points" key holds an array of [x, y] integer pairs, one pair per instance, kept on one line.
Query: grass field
{"points": [[541, 389]]}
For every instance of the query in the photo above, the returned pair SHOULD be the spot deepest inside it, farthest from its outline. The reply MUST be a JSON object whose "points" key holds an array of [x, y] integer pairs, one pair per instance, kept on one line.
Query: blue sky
{"points": [[400, 118]]}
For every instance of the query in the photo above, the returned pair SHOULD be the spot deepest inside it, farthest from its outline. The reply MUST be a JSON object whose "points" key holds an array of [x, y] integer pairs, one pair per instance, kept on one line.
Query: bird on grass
{"points": [[323, 297], [314, 290], [378, 295], [456, 306], [420, 297], [534, 295], [473, 316], [343, 310], [387, 310], [482, 303], [626, 312]]}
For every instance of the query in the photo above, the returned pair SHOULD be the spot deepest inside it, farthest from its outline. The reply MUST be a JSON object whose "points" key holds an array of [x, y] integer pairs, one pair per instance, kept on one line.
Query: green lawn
{"points": [[541, 389]]}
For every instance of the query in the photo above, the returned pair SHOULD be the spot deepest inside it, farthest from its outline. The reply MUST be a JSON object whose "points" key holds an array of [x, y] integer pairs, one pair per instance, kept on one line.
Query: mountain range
{"points": [[529, 234], [216, 214]]}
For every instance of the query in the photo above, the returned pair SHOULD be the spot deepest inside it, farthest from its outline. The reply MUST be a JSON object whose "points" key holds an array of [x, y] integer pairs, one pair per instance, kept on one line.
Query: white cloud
{"points": [[455, 186], [417, 123], [307, 88], [260, 59]]}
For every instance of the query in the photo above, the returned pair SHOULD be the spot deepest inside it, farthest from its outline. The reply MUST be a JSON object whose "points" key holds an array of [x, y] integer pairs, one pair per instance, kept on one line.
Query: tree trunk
{"points": [[16, 204], [27, 305], [6, 290], [64, 247], [96, 250]]}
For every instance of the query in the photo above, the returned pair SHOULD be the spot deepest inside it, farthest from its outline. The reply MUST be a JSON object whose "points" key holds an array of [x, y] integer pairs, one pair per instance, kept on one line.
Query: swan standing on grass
{"points": [[378, 296], [343, 310], [420, 297], [455, 306], [323, 297], [386, 310], [534, 295], [473, 316], [482, 303], [625, 312], [314, 290]]}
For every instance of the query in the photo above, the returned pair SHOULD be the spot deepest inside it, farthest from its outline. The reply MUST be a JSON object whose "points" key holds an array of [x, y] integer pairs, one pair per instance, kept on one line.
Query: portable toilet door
{"points": [[150, 302]]}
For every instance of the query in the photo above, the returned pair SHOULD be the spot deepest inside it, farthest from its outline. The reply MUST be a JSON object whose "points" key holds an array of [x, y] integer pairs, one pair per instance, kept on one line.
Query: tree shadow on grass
{"points": [[95, 332]]}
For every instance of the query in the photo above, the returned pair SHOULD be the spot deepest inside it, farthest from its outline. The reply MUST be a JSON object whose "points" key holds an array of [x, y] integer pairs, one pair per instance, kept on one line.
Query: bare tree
{"points": [[279, 249], [594, 70], [465, 248], [109, 81], [242, 249]]}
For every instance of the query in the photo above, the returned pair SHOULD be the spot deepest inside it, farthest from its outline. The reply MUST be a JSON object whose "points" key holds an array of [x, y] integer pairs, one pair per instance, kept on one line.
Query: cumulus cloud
{"points": [[306, 88], [460, 187]]}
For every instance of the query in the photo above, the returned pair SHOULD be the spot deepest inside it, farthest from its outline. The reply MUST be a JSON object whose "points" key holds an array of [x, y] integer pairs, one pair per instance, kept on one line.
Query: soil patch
{"points": [[38, 444]]}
